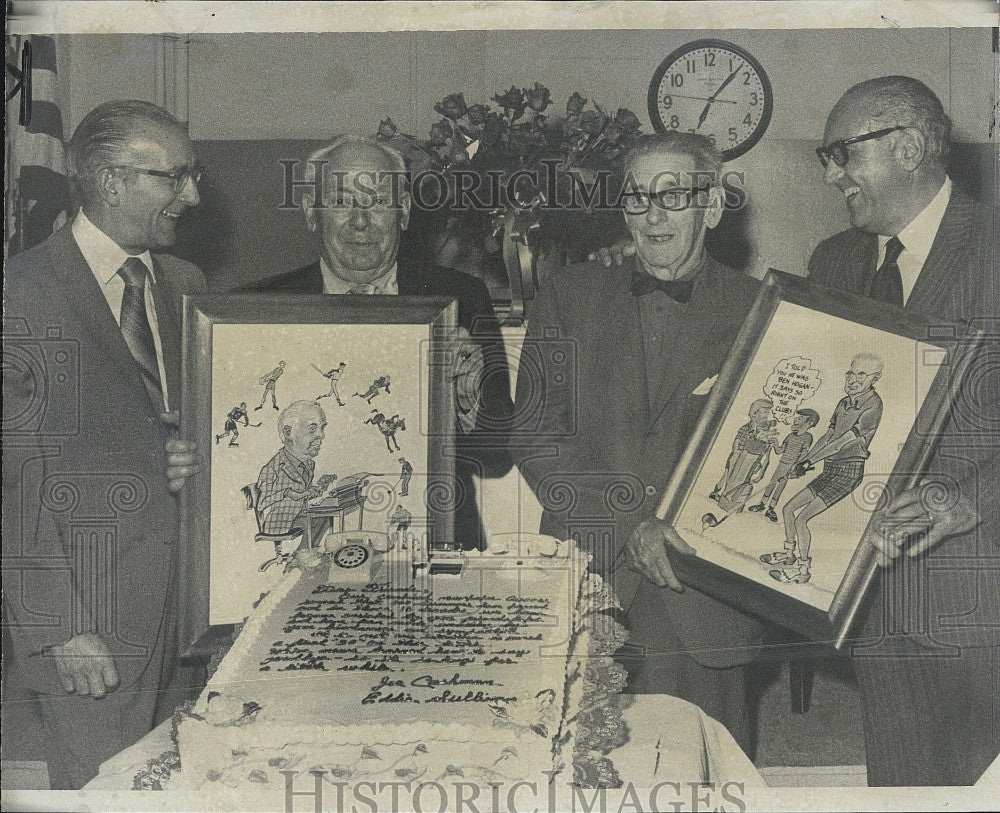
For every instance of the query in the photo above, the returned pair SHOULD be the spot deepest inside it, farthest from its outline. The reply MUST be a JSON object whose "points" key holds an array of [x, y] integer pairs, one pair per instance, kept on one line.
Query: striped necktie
{"points": [[135, 326]]}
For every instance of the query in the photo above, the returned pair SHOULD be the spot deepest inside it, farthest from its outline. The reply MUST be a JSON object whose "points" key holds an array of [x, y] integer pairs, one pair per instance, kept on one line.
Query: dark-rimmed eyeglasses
{"points": [[178, 177], [837, 152], [674, 199]]}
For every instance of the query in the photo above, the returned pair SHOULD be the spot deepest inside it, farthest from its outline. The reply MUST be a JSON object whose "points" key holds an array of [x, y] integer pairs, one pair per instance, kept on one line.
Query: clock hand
{"points": [[704, 115], [712, 98], [723, 86], [703, 98]]}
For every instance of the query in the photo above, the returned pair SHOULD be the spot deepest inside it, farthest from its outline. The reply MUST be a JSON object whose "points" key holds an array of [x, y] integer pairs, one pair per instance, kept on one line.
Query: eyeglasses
{"points": [[675, 199], [366, 203], [178, 178], [837, 150]]}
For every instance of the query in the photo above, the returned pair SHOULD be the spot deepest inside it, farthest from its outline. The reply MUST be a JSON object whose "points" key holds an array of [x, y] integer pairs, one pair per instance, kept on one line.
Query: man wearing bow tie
{"points": [[611, 384], [92, 463]]}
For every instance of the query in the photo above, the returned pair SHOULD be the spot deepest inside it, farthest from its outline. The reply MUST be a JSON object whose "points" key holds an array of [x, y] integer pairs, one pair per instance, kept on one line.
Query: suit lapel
{"points": [[169, 329], [86, 298], [947, 269], [686, 360]]}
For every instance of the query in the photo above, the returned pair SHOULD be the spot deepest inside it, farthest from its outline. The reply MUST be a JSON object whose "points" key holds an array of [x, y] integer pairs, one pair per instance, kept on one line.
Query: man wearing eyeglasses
{"points": [[92, 462], [929, 668], [615, 371], [359, 210]]}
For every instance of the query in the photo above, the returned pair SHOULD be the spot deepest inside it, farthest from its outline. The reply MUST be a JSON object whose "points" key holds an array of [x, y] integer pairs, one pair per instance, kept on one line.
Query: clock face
{"points": [[713, 88]]}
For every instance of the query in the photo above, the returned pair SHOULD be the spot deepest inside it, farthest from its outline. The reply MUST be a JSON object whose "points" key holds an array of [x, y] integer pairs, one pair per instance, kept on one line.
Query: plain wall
{"points": [[255, 98]]}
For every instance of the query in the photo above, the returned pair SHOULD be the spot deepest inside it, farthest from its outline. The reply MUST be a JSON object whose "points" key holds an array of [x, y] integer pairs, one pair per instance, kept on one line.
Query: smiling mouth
{"points": [[851, 191], [171, 215], [659, 238]]}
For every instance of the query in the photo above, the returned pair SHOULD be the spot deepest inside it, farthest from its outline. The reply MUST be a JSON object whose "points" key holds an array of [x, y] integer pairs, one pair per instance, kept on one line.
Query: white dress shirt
{"points": [[332, 284], [105, 257], [917, 238]]}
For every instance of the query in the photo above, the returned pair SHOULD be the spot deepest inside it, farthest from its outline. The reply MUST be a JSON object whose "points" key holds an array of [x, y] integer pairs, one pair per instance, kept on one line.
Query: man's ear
{"points": [[404, 210], [911, 148], [110, 185], [716, 205], [308, 212]]}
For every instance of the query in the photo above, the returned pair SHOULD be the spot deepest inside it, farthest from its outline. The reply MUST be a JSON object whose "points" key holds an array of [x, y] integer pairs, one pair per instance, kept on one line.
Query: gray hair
{"points": [[872, 357], [322, 157], [293, 412], [706, 155], [903, 100], [104, 136]]}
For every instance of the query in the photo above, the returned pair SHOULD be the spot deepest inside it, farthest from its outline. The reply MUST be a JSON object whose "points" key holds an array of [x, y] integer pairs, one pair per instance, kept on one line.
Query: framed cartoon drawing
{"points": [[316, 417], [827, 405]]}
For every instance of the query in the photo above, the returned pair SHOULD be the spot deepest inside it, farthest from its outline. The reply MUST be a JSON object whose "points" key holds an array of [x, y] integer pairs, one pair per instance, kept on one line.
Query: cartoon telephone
{"points": [[354, 553]]}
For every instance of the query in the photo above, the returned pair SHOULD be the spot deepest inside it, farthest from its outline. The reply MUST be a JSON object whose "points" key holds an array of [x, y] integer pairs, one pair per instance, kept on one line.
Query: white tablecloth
{"points": [[670, 740]]}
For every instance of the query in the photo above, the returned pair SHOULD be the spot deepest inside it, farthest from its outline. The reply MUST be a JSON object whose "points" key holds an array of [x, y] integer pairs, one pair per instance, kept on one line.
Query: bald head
{"points": [[886, 141], [364, 210], [301, 427]]}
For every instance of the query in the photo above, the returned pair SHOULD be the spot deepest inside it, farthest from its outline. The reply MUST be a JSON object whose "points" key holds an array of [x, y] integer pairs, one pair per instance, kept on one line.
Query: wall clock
{"points": [[714, 88]]}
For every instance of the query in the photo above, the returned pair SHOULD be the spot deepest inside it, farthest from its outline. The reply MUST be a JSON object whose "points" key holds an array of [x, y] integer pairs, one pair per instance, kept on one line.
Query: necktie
{"points": [[135, 326], [888, 284], [643, 283], [367, 288]]}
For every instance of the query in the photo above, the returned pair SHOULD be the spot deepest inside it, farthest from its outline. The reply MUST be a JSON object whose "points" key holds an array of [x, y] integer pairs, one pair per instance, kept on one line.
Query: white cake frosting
{"points": [[402, 677]]}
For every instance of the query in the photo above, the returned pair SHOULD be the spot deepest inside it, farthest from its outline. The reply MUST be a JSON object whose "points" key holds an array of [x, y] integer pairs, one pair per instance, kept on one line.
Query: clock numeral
{"points": [[667, 101], [733, 135], [748, 120], [690, 65], [676, 80], [746, 77], [711, 137], [754, 100], [709, 60], [674, 122]]}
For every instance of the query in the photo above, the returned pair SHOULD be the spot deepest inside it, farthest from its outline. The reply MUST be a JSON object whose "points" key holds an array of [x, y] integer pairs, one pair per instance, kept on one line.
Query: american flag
{"points": [[36, 190]]}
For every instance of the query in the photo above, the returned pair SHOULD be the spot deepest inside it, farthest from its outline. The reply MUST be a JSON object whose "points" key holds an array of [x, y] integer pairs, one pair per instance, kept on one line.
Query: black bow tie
{"points": [[643, 283]]}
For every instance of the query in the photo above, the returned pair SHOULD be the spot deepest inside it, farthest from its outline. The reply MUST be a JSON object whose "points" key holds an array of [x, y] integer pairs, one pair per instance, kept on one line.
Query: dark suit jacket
{"points": [[601, 423], [90, 529], [932, 624], [483, 451]]}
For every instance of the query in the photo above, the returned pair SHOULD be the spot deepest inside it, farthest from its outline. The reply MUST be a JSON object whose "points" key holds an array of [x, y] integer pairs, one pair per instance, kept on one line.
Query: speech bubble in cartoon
{"points": [[793, 381]]}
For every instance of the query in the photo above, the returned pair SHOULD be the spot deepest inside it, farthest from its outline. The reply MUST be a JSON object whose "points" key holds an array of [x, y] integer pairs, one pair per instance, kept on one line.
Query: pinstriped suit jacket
{"points": [[927, 674]]}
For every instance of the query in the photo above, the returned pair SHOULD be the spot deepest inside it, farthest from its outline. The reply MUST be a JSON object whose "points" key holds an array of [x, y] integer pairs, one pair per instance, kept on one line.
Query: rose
{"points": [[575, 104], [592, 122], [512, 101], [452, 106], [537, 97], [440, 133], [386, 128], [477, 114], [628, 120]]}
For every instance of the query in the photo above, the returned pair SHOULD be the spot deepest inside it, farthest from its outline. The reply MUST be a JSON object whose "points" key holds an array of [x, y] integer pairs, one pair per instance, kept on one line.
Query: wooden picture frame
{"points": [[395, 352], [714, 483]]}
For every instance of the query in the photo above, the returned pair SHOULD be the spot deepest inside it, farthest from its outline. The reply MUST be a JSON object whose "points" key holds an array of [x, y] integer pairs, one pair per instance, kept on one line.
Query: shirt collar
{"points": [[332, 284], [103, 255]]}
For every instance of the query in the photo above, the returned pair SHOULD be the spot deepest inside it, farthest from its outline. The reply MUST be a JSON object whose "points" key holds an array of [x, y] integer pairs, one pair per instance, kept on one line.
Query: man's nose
{"points": [[832, 172], [359, 217], [655, 213], [189, 192]]}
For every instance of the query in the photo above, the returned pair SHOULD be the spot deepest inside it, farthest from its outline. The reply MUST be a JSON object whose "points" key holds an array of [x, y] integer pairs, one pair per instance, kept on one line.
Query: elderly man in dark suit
{"points": [[92, 461], [616, 368], [928, 659], [360, 224]]}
